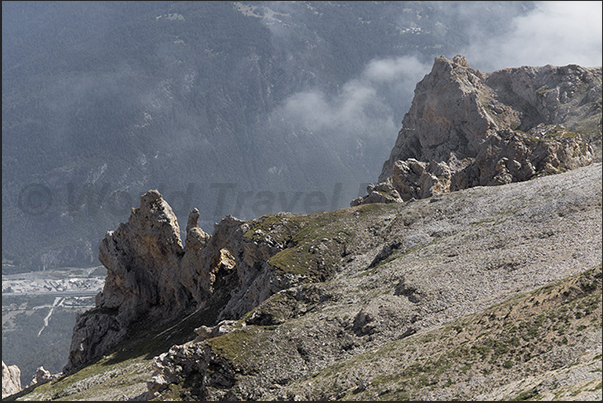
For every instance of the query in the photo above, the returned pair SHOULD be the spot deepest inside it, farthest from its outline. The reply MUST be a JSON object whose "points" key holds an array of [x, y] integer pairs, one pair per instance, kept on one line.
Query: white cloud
{"points": [[362, 109], [557, 33], [391, 70]]}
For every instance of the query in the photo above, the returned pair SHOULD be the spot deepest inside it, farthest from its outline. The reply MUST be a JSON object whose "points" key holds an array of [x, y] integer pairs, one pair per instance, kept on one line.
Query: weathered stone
{"points": [[142, 258], [95, 332], [419, 180], [225, 326], [467, 128], [510, 156], [182, 361], [383, 192], [42, 376], [446, 116], [152, 277], [11, 379], [138, 254], [195, 273]]}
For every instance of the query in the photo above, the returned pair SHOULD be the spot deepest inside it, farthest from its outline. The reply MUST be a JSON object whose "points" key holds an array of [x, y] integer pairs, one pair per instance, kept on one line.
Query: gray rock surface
{"points": [[143, 278], [417, 267], [383, 192]]}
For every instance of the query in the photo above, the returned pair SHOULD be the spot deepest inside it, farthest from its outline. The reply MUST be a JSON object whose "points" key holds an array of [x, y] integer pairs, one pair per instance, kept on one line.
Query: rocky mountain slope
{"points": [[476, 293], [488, 291]]}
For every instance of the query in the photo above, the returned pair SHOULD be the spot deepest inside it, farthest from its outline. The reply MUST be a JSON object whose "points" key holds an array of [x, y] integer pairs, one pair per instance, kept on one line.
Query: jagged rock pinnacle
{"points": [[152, 277], [466, 128], [193, 218]]}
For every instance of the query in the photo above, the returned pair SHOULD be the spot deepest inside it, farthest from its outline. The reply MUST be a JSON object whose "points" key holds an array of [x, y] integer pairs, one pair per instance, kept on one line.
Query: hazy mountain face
{"points": [[235, 108]]}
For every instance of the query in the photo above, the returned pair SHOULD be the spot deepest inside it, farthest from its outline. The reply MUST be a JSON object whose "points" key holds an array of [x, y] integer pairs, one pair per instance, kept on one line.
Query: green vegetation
{"points": [[301, 235], [315, 243], [241, 347], [529, 394]]}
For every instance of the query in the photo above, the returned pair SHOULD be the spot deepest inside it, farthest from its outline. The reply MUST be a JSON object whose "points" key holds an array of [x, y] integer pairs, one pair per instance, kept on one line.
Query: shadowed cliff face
{"points": [[466, 128]]}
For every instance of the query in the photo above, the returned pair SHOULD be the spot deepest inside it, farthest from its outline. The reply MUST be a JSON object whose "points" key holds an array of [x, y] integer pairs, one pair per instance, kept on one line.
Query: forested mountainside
{"points": [[237, 108]]}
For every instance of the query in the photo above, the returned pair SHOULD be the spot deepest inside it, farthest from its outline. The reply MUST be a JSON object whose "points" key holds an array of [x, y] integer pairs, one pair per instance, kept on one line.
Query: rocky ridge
{"points": [[467, 128], [151, 275], [424, 268]]}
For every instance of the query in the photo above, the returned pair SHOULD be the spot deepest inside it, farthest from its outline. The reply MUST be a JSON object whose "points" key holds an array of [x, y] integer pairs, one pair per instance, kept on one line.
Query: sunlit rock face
{"points": [[11, 379], [152, 277], [467, 128], [142, 258]]}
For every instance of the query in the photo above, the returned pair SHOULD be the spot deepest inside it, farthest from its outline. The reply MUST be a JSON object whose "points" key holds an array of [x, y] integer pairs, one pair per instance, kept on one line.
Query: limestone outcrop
{"points": [[11, 379], [152, 276], [42, 376], [383, 192], [150, 241], [180, 361], [467, 128], [142, 261]]}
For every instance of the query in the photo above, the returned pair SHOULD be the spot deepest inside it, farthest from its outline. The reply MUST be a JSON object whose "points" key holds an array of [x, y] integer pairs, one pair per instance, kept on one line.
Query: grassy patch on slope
{"points": [[313, 243]]}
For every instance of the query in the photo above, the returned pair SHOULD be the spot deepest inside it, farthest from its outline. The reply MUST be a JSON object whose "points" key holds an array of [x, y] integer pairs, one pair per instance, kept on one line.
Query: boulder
{"points": [[383, 192], [42, 376], [152, 277]]}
